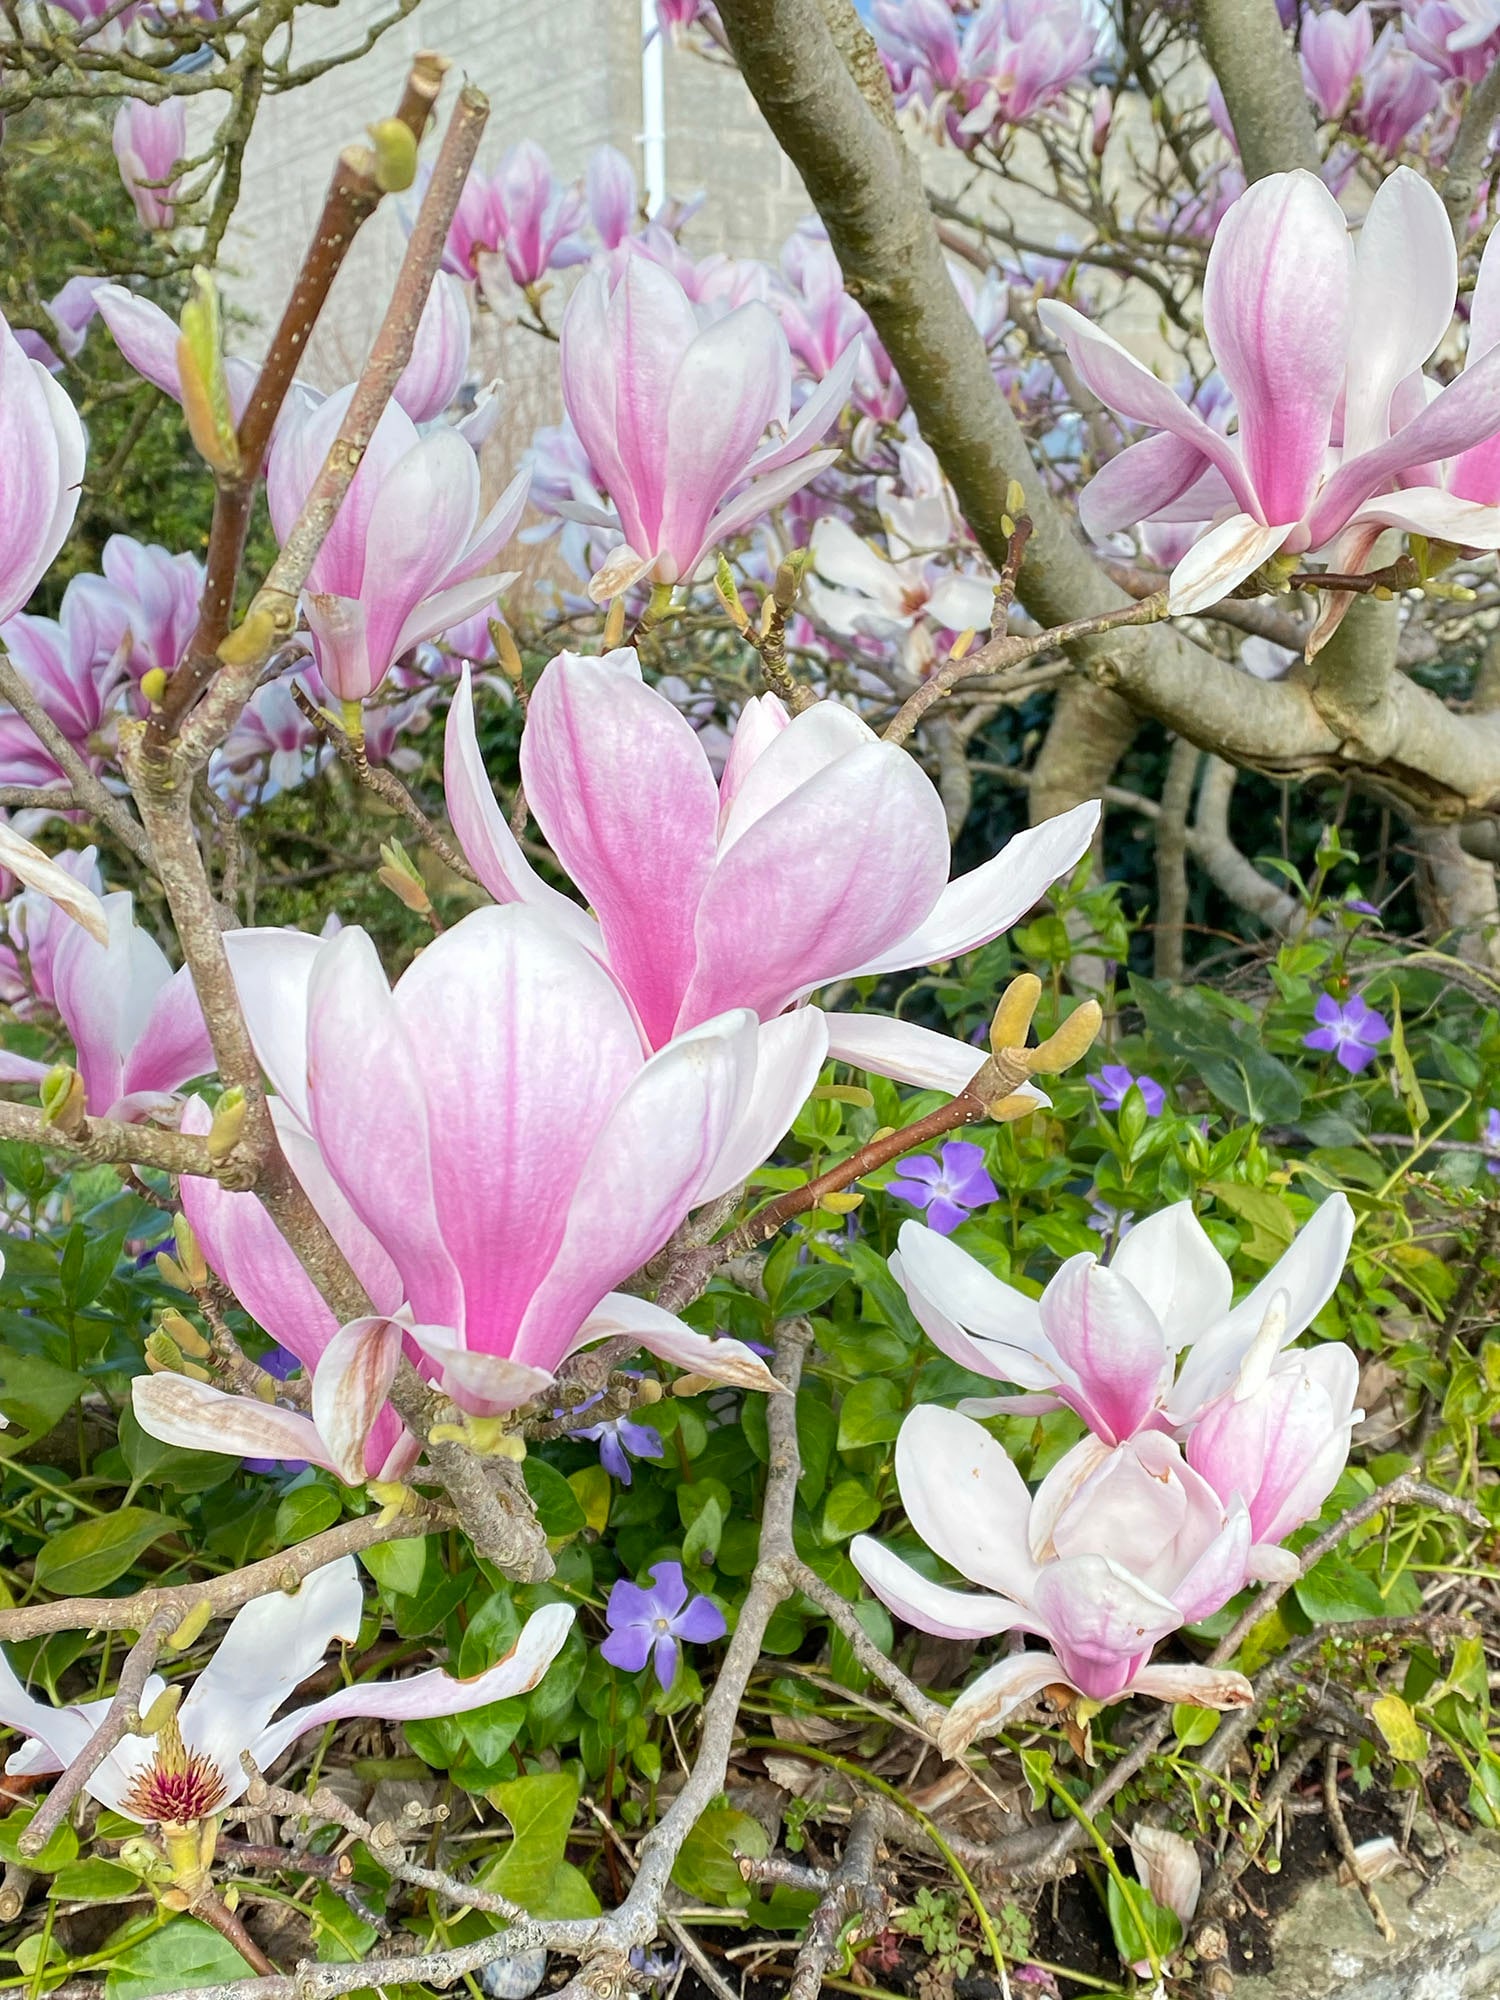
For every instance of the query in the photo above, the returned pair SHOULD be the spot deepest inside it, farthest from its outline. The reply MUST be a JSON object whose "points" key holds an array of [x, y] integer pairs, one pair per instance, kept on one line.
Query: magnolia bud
{"points": [[1170, 1869], [1015, 498], [63, 1101], [789, 574], [189, 1256], [1070, 1043], [729, 595], [1101, 117], [181, 1331], [1006, 1110], [614, 624], [251, 640], [228, 1123], [1012, 1019], [154, 685], [205, 387], [400, 876], [191, 1628], [395, 154], [648, 1390], [843, 1201], [507, 652]]}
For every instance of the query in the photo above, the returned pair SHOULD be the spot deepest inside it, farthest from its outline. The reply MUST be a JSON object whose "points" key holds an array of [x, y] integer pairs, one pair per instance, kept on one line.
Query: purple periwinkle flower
{"points": [[616, 1437], [278, 1362], [1492, 1140], [650, 1624], [1349, 1030], [1113, 1085], [947, 1187]]}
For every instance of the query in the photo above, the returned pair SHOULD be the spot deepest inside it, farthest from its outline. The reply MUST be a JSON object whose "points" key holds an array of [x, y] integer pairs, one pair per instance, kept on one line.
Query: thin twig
{"points": [[88, 791], [852, 1890], [110, 1141], [1338, 1826], [1432, 1402]]}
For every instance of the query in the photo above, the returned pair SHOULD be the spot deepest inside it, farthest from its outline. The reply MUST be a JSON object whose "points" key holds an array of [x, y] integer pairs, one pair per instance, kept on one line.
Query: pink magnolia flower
{"points": [[148, 337], [817, 315], [997, 64], [1399, 91], [351, 1429], [272, 748], [613, 200], [1335, 48], [42, 450], [157, 596], [507, 1221], [1301, 324], [407, 555], [689, 878], [190, 1769], [1456, 44], [149, 141], [672, 413], [73, 675], [440, 353], [1151, 1341], [521, 213], [1117, 1549], [38, 924]]}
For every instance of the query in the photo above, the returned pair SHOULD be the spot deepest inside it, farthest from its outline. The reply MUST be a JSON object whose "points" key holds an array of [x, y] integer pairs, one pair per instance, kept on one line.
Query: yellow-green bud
{"points": [[190, 1629], [789, 574], [1070, 1043], [1012, 1020], [180, 1330], [228, 1124], [189, 1256], [154, 685], [63, 1101], [729, 596], [205, 386], [395, 154]]}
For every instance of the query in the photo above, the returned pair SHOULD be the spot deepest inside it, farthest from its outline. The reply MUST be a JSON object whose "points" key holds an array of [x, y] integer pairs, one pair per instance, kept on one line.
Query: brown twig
{"points": [[852, 1890], [925, 1712], [223, 1594], [38, 798], [1338, 1826], [336, 1871], [1001, 654], [122, 1718], [354, 193], [228, 1925], [109, 1141]]}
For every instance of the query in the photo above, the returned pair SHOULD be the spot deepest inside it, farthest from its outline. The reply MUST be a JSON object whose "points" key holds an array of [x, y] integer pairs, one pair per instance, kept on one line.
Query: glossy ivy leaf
{"points": [[708, 1867], [184, 1954], [87, 1558]]}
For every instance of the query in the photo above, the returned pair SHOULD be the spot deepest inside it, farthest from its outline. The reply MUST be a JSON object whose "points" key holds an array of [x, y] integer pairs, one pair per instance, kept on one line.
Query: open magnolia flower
{"points": [[672, 412], [1151, 1341], [1322, 346], [41, 470], [495, 1125], [1118, 1548], [190, 1768], [703, 895]]}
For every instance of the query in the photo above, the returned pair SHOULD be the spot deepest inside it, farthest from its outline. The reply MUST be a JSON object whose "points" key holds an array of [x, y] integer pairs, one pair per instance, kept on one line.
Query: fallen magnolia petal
{"points": [[1169, 1867], [196, 1416], [39, 871], [350, 1385], [1374, 1860]]}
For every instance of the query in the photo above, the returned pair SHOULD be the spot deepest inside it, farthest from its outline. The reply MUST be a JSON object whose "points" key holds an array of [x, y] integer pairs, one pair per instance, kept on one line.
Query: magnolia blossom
{"points": [[856, 590], [148, 337], [38, 919], [1303, 327], [272, 748], [73, 675], [1457, 38], [692, 880], [521, 213], [613, 198], [350, 1428], [1112, 1554], [1335, 47], [190, 1768], [506, 1222], [1398, 91], [407, 554], [149, 140], [155, 595], [999, 64], [672, 413], [1152, 1341], [440, 352], [42, 451]]}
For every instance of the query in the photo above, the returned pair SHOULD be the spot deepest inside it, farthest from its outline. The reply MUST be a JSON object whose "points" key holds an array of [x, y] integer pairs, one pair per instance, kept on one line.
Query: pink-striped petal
{"points": [[349, 1389], [735, 379], [621, 1315], [931, 1607], [1139, 482], [1405, 278], [1226, 555]]}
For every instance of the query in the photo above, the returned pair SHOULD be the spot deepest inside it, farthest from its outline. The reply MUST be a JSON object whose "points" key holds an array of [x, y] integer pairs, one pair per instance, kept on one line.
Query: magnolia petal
{"points": [[903, 1051], [1139, 482], [1428, 510], [433, 1693], [272, 970], [931, 1607], [483, 1384], [789, 1052], [1226, 555], [195, 1416], [274, 1643], [349, 1389], [936, 1272], [1177, 1271], [663, 1334], [986, 1703], [38, 871], [1405, 278], [965, 1498], [1204, 1687], [1111, 1340]]}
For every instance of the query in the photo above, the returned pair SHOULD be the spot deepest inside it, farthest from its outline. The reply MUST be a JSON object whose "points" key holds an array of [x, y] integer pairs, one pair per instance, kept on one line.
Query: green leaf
{"points": [[166, 1465], [35, 1392], [397, 1566], [305, 1511], [708, 1866], [59, 1851], [1334, 1590], [1141, 1926], [809, 1287], [1271, 1225], [339, 1934], [593, 1490], [849, 1509], [1406, 1075], [1192, 1725], [87, 1558], [870, 1414], [701, 1542], [93, 1881], [533, 1871], [1405, 1737], [556, 1503], [492, 1633], [184, 1953]]}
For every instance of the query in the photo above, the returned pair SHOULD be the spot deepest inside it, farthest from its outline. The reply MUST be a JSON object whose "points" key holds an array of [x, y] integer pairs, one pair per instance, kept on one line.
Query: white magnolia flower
{"points": [[190, 1768]]}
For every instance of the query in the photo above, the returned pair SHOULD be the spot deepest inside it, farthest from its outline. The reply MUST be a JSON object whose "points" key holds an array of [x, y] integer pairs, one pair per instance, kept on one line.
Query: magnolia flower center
{"points": [[178, 1787]]}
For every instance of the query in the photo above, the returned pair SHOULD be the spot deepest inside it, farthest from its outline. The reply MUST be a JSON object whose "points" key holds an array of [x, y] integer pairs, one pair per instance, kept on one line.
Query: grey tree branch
{"points": [[88, 791], [1170, 916], [1470, 152], [107, 1139], [1249, 53]]}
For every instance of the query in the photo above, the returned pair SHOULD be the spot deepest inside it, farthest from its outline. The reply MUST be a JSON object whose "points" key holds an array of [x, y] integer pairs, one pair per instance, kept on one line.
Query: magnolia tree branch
{"points": [[106, 1140], [272, 616], [1249, 53], [1469, 154], [223, 1594], [353, 195]]}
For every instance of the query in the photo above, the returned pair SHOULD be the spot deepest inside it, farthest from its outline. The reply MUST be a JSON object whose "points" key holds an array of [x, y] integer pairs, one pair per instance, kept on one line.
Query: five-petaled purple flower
{"points": [[1112, 1086], [1350, 1031], [947, 1188], [648, 1624], [1492, 1140], [617, 1436]]}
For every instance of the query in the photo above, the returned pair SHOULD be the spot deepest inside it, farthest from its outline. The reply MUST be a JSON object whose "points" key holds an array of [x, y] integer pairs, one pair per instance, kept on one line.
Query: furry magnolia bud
{"points": [[1069, 1043], [63, 1103], [1012, 1020]]}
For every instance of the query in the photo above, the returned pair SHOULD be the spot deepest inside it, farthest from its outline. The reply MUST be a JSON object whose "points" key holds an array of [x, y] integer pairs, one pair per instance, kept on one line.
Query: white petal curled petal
{"points": [[350, 1385], [986, 1703], [195, 1416], [432, 1693], [1205, 1687], [965, 1498], [1226, 555], [39, 871], [931, 1607], [621, 1315]]}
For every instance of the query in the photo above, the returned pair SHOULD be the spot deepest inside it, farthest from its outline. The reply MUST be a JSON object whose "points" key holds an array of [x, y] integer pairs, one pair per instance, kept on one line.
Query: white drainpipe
{"points": [[653, 107]]}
